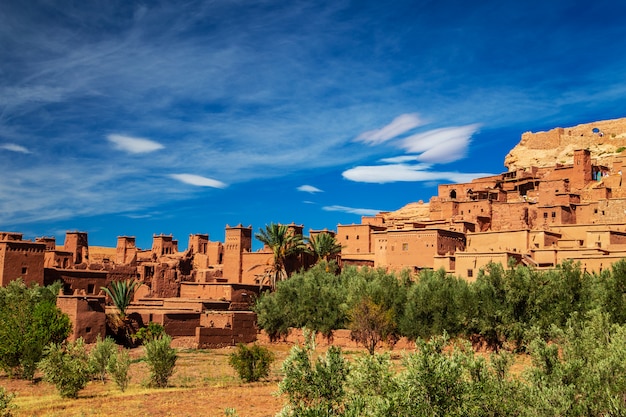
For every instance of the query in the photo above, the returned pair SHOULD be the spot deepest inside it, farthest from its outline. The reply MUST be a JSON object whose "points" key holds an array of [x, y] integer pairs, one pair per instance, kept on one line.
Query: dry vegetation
{"points": [[203, 385]]}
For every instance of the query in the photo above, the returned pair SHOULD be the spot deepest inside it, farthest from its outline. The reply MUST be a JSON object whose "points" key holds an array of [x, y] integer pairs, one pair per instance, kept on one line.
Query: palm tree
{"points": [[121, 293], [284, 244], [323, 246]]}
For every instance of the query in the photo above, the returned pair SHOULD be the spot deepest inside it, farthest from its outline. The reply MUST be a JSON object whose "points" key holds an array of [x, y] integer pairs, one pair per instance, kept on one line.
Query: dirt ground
{"points": [[203, 384]]}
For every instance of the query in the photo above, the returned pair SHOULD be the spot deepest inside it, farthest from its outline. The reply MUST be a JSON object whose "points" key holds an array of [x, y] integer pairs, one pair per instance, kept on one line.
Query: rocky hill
{"points": [[605, 139]]}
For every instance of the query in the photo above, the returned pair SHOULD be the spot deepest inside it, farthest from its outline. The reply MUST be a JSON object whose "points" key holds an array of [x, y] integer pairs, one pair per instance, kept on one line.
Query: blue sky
{"points": [[135, 118]]}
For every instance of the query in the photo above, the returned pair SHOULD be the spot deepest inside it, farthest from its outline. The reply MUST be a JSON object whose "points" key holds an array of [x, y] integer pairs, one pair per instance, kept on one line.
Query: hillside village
{"points": [[562, 198]]}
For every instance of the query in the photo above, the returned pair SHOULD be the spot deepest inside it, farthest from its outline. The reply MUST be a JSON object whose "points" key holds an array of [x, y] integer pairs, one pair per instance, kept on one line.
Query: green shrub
{"points": [[67, 367], [6, 406], [118, 367], [29, 320], [161, 359], [251, 363], [100, 356], [150, 332]]}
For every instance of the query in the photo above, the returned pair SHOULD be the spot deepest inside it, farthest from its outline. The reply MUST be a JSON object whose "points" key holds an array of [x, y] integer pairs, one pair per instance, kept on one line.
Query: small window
{"points": [[24, 270], [545, 215], [405, 246], [90, 288], [347, 237], [87, 329], [470, 273], [357, 237], [553, 214]]}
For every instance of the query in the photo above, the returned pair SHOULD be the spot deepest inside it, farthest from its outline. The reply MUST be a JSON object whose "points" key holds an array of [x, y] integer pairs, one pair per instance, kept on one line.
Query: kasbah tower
{"points": [[562, 198]]}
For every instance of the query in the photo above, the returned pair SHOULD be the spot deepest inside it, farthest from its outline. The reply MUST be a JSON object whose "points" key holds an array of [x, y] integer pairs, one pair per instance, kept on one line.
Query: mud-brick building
{"points": [[20, 259]]}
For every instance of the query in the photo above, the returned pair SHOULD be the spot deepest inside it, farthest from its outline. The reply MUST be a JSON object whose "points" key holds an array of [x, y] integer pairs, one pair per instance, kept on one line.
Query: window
{"points": [[405, 246], [347, 237], [545, 215], [357, 237], [24, 270], [553, 214], [90, 288], [470, 273]]}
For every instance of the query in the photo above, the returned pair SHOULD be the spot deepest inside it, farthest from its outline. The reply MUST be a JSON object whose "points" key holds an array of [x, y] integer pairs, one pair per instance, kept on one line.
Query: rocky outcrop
{"points": [[606, 140]]}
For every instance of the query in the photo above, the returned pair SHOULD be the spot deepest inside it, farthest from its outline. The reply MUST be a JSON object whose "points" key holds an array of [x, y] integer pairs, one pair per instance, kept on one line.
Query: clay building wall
{"points": [[540, 239], [543, 140], [220, 329], [238, 239], [50, 242], [180, 324], [504, 241], [254, 267], [468, 264], [164, 245], [610, 211], [87, 314], [552, 215], [125, 250], [77, 280], [12, 236], [78, 244], [548, 190], [58, 259], [379, 244], [507, 216], [356, 238], [21, 259], [476, 212], [416, 248]]}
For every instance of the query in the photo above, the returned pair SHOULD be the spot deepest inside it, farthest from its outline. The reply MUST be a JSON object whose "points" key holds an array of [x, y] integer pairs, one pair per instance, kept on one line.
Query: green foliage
{"points": [[150, 332], [371, 323], [67, 367], [313, 299], [121, 293], [284, 245], [251, 363], [437, 302], [118, 367], [6, 403], [29, 320], [621, 148], [100, 356], [323, 246], [161, 360], [313, 387]]}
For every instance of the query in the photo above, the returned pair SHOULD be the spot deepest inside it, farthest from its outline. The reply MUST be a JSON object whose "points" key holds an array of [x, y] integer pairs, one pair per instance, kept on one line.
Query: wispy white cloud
{"points": [[442, 145], [399, 125], [309, 189], [14, 148], [134, 145], [198, 180], [351, 210], [400, 159], [382, 174]]}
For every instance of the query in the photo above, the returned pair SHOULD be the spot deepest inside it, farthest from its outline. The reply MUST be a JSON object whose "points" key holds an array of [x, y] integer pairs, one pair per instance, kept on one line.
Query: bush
{"points": [[29, 320], [150, 332], [118, 367], [67, 367], [6, 406], [251, 363], [100, 356], [161, 359]]}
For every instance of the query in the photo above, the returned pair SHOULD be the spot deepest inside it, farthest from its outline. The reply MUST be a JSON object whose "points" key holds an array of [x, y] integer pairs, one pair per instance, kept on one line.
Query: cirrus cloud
{"points": [[397, 127], [381, 174], [442, 145], [309, 189], [134, 145], [14, 148], [198, 180], [351, 210]]}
